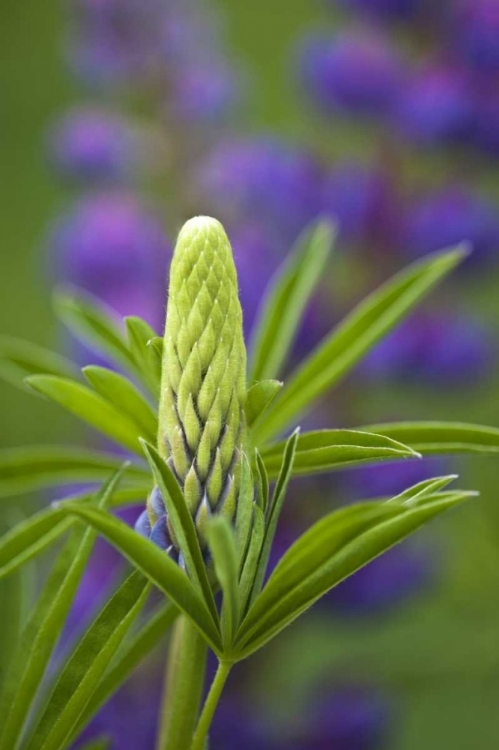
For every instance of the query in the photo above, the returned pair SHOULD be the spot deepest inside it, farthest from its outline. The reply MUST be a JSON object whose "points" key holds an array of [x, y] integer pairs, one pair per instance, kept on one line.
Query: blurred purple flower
{"points": [[358, 71], [263, 180], [486, 120], [436, 106], [129, 719], [206, 93], [256, 261], [235, 726], [435, 349], [451, 215], [476, 33], [113, 245], [365, 203], [390, 9], [390, 479], [387, 582], [91, 144], [114, 41], [349, 718]]}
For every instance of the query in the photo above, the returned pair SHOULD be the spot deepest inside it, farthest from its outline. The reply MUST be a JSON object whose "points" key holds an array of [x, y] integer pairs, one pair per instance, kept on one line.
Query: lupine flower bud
{"points": [[201, 416]]}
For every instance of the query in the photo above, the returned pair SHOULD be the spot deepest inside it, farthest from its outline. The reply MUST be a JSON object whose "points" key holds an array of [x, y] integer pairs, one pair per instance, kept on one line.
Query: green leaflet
{"points": [[16, 594], [158, 567], [247, 579], [156, 344], [183, 525], [42, 631], [244, 510], [325, 450], [222, 544], [85, 667], [281, 311], [35, 534], [131, 654], [146, 357], [330, 551], [19, 358], [30, 537], [123, 395], [423, 490], [262, 483], [275, 507], [93, 323], [90, 407], [35, 467], [442, 437], [354, 337], [259, 397]]}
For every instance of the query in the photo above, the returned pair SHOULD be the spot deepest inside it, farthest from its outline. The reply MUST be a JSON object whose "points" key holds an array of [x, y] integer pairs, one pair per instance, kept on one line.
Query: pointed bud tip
{"points": [[200, 225]]}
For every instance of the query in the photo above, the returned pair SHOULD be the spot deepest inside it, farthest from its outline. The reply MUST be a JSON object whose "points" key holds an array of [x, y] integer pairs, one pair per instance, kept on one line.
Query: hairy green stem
{"points": [[199, 741], [184, 683]]}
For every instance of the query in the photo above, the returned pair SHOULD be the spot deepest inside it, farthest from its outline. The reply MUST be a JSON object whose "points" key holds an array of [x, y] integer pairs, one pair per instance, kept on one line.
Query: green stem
{"points": [[184, 683], [199, 741]]}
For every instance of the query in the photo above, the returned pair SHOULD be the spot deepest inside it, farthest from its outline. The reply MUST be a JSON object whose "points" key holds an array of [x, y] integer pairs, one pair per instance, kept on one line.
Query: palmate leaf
{"points": [[37, 467], [432, 438], [282, 309], [19, 358], [158, 567], [183, 525], [87, 664], [125, 397], [354, 337], [145, 355], [42, 631], [326, 450], [90, 407], [330, 551], [94, 323]]}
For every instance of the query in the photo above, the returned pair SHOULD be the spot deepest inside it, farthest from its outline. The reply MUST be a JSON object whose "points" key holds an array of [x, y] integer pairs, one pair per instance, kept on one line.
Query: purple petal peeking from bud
{"points": [[160, 535], [143, 525]]}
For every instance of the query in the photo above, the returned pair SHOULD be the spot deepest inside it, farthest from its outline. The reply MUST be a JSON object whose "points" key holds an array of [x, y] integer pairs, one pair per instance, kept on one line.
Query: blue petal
{"points": [[142, 525]]}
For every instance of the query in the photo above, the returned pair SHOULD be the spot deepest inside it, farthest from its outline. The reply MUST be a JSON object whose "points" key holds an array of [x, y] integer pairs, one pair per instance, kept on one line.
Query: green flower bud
{"points": [[201, 416]]}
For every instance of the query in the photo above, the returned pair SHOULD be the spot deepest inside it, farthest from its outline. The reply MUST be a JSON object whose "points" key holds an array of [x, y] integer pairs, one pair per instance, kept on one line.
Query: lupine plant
{"points": [[212, 444]]}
